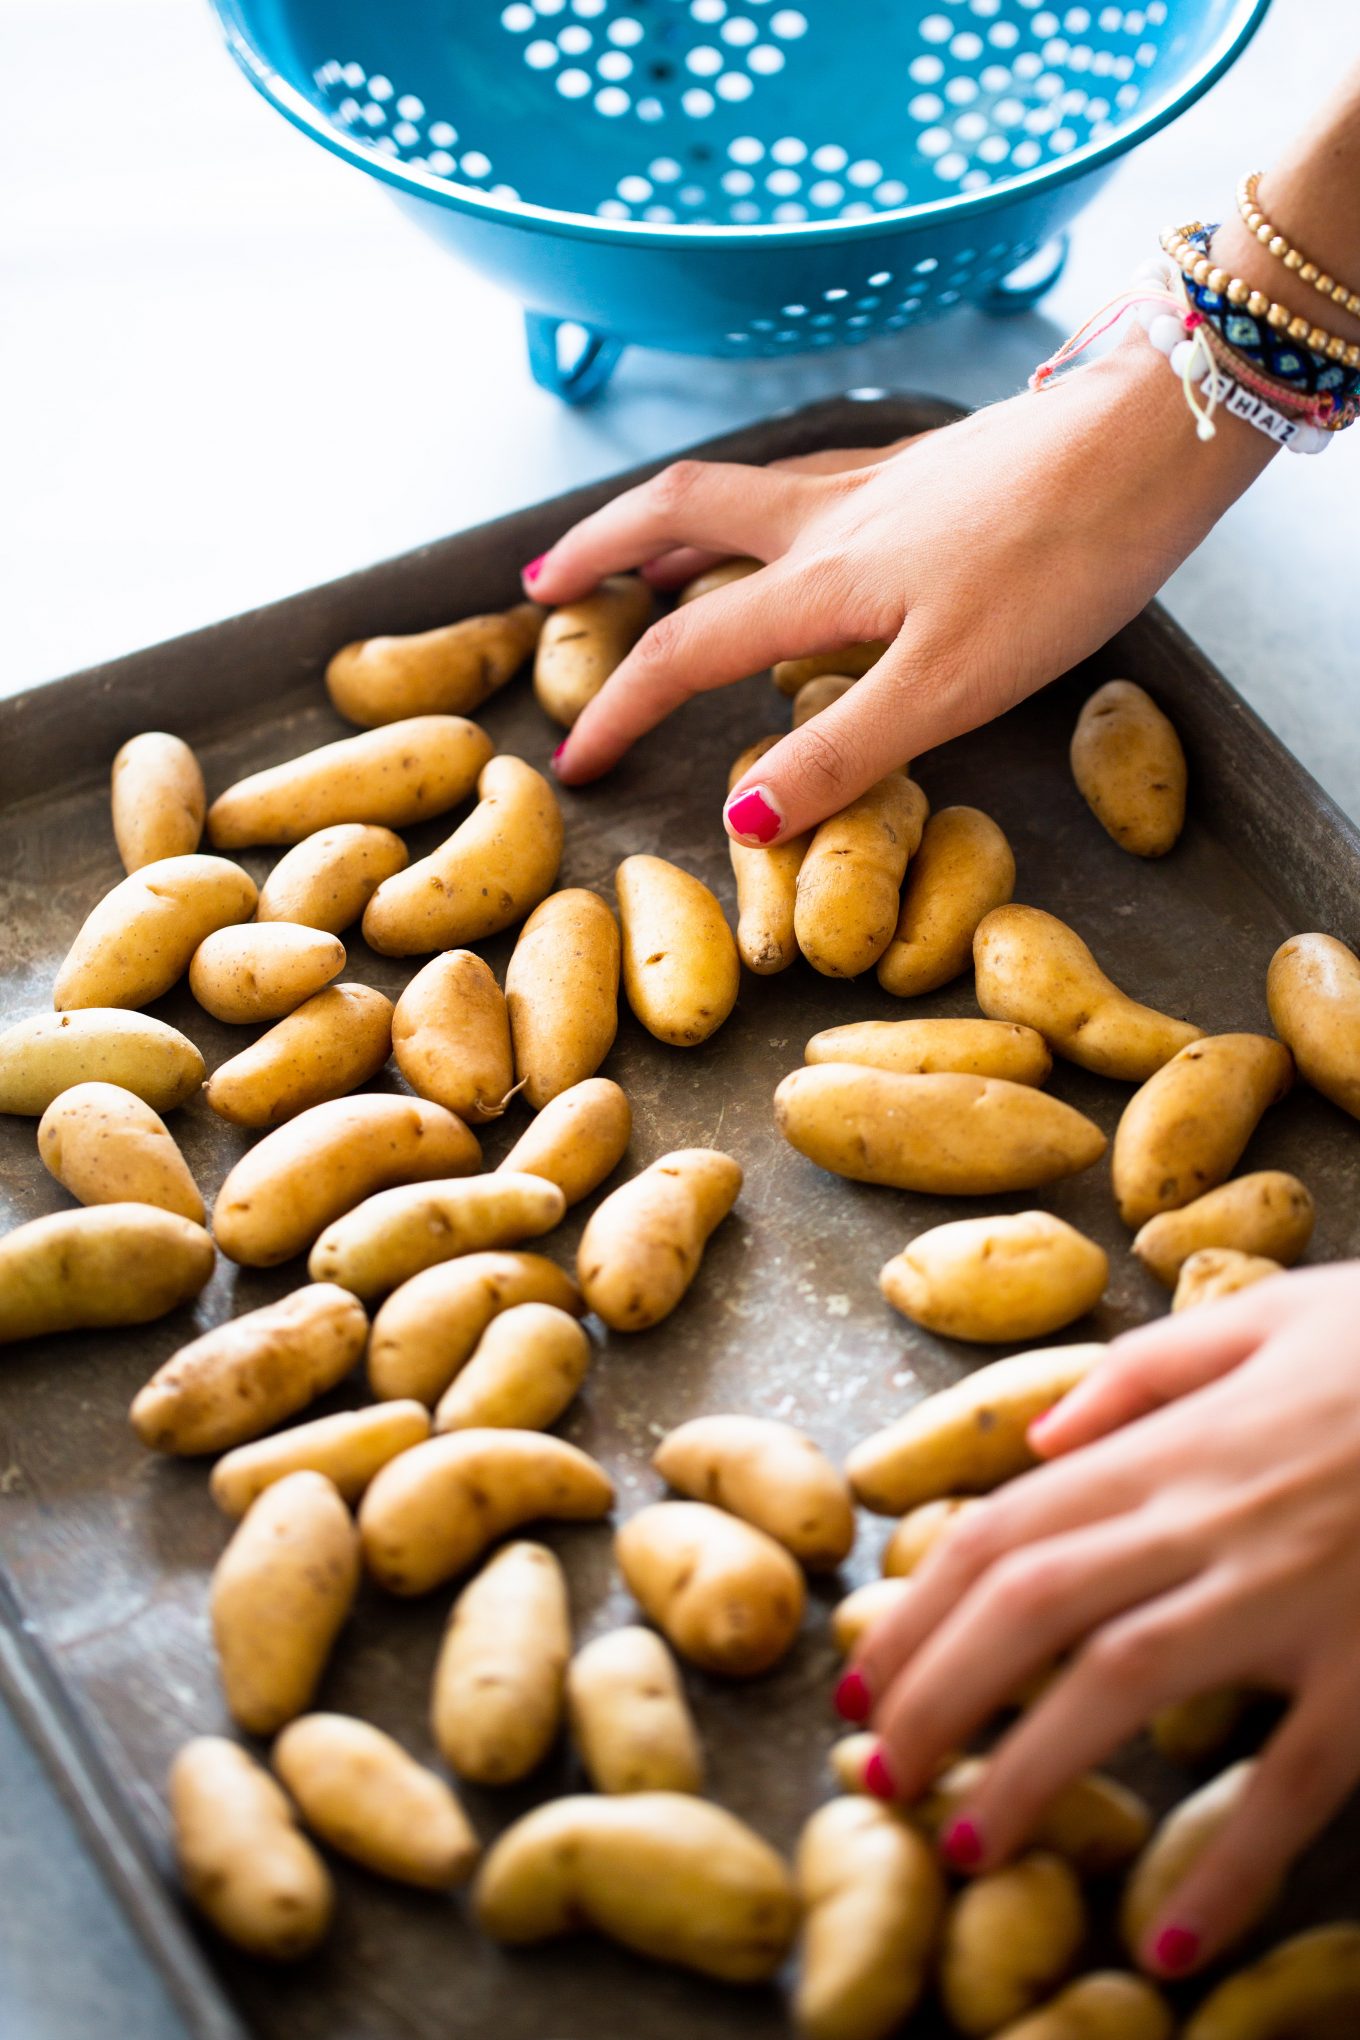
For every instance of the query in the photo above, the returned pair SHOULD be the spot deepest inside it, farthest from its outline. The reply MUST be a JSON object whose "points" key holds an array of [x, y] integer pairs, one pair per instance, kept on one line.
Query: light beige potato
{"points": [[327, 879], [1176, 1846], [348, 1448], [584, 641], [529, 1363], [500, 1679], [326, 1047], [852, 662], [768, 1473], [381, 1243], [919, 1531], [963, 870], [1183, 1131], [46, 1054], [578, 1139], [1190, 1730], [137, 942], [1307, 1988], [293, 1183], [105, 1264], [944, 1134], [1010, 1937], [562, 993], [1267, 1212], [721, 576], [1313, 991], [849, 1758], [1106, 2005], [850, 881], [926, 1048], [670, 1876], [629, 1716], [725, 1594], [429, 1328], [1094, 1823], [642, 1246], [263, 970], [432, 1512], [1033, 968], [391, 777], [681, 973], [249, 1373], [1130, 769], [873, 1898], [767, 884], [451, 1037], [815, 695], [856, 1615], [1018, 1275], [280, 1594], [365, 1797], [1215, 1272], [451, 670], [970, 1437], [489, 873], [158, 799], [106, 1146], [244, 1864]]}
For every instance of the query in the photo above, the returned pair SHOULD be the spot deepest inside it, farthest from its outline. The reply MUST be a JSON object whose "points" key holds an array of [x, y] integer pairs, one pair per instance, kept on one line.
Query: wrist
{"points": [[1140, 395]]}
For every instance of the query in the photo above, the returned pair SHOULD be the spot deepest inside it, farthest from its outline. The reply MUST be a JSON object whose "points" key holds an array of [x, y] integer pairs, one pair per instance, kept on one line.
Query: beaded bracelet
{"points": [[1187, 247], [1293, 258]]}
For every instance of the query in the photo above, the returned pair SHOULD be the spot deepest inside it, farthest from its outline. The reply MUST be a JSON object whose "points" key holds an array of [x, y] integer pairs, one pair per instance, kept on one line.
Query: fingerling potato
{"points": [[1177, 1844], [500, 1680], [244, 1864], [815, 695], [1106, 2005], [263, 970], [1184, 1130], [348, 1448], [430, 1326], [1308, 1985], [1130, 769], [48, 1053], [963, 869], [1212, 1273], [769, 1474], [1012, 1276], [451, 1037], [1267, 1212], [725, 1594], [850, 881], [328, 1046], [529, 1363], [106, 1146], [138, 941], [767, 882], [1189, 1731], [158, 799], [721, 576], [562, 993], [919, 1531], [629, 1716], [451, 670], [327, 879], [359, 1791], [1313, 991], [925, 1048], [642, 1246], [584, 641], [578, 1139], [680, 966], [391, 777], [382, 1242], [1010, 1937], [873, 1898], [101, 1265], [851, 662], [856, 1615]]}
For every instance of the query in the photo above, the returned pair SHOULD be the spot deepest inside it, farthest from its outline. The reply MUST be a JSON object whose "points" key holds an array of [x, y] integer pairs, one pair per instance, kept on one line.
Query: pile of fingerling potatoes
{"points": [[474, 1344]]}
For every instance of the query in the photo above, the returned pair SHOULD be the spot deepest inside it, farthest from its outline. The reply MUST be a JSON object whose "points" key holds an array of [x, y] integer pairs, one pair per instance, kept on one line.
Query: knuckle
{"points": [[1305, 1775], [971, 1541], [1130, 1657], [824, 761], [675, 484], [1028, 1585], [654, 656]]}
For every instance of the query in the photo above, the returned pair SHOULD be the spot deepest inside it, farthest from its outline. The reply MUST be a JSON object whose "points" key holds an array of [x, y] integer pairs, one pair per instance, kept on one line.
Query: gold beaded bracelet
{"points": [[1187, 257], [1293, 258]]}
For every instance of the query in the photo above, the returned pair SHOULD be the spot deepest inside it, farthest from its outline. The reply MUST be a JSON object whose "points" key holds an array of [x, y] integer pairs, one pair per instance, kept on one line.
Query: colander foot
{"points": [[582, 375], [1026, 285]]}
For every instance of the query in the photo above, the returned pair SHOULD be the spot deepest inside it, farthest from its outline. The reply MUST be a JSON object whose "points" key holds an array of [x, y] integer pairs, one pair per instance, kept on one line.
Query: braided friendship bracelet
{"points": [[1187, 247], [1284, 251]]}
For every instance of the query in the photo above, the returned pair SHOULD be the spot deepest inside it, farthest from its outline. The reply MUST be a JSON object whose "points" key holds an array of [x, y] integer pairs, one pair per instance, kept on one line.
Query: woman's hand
{"points": [[1198, 1526], [993, 554]]}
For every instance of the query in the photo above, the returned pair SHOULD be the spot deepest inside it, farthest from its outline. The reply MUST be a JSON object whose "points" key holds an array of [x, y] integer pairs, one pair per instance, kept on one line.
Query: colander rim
{"points": [[1241, 25]]}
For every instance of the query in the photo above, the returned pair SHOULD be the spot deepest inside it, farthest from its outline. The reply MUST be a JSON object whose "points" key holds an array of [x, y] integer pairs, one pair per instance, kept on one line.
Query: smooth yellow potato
{"points": [[1033, 968], [629, 1716], [451, 1037], [1313, 991], [1190, 1730], [963, 870], [293, 1183], [326, 1047], [1130, 769], [46, 1054], [1183, 1131], [1267, 1212], [1018, 1275], [849, 1758], [721, 576], [430, 1327], [432, 1512], [348, 1448], [1106, 2005], [919, 1531], [1212, 1273], [529, 1363], [158, 799], [970, 1437], [670, 1876], [873, 1898], [381, 1243], [768, 1473], [1010, 1937], [856, 1615], [680, 968], [927, 1048], [1094, 1823], [244, 1864], [448, 671], [392, 777], [578, 1139], [104, 1264], [280, 1594], [1307, 1988], [767, 884], [249, 1373], [562, 993], [327, 879], [815, 695], [106, 1146], [495, 866], [364, 1796], [500, 1679], [137, 942], [728, 1597], [945, 1134], [1177, 1844], [849, 884], [263, 970], [851, 662], [584, 641], [642, 1246]]}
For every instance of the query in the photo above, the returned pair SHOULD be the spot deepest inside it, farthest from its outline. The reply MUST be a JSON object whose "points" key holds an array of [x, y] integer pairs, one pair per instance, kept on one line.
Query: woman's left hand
{"points": [[1198, 1526]]}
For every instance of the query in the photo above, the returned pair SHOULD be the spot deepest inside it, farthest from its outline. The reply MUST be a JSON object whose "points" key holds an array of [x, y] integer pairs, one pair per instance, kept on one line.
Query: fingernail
{"points": [[534, 568], [753, 816], [853, 1699], [878, 1777], [1175, 1949], [961, 1845], [558, 752]]}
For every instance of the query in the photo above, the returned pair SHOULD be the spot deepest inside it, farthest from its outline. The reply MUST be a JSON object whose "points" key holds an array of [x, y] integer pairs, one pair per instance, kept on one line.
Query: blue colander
{"points": [[737, 177]]}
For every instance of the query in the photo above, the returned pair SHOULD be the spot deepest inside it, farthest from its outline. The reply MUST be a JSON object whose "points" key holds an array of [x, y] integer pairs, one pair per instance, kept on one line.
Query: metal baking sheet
{"points": [[104, 1642]]}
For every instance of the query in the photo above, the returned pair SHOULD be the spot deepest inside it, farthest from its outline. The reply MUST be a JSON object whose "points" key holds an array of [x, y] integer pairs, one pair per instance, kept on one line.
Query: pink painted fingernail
{"points": [[878, 1777], [853, 1699], [1174, 1950], [753, 816], [558, 752], [534, 568], [961, 1845]]}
